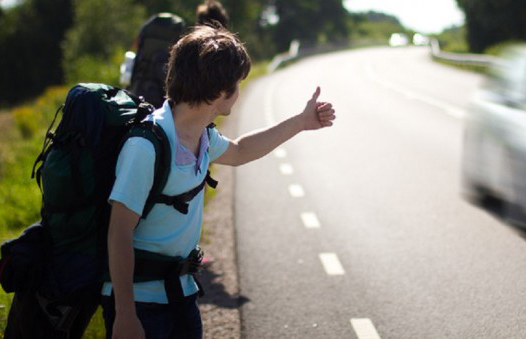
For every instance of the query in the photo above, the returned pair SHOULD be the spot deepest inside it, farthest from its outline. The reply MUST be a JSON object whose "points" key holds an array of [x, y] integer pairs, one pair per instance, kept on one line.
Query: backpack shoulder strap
{"points": [[156, 135], [180, 202]]}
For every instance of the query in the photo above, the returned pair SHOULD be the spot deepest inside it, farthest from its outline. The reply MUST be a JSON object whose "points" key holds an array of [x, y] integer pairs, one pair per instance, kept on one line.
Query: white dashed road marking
{"points": [[310, 220], [296, 191], [331, 264], [364, 328], [280, 153], [286, 169]]}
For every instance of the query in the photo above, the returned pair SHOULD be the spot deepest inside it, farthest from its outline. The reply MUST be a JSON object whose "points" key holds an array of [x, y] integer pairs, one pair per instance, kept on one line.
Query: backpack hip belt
{"points": [[154, 266]]}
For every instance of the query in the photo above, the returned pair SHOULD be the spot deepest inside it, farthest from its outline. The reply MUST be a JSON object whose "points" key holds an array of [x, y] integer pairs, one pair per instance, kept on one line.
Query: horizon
{"points": [[424, 16]]}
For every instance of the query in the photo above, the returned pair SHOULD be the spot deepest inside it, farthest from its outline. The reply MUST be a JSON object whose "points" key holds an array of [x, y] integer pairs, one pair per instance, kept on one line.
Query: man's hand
{"points": [[254, 145], [127, 327], [317, 114], [121, 262]]}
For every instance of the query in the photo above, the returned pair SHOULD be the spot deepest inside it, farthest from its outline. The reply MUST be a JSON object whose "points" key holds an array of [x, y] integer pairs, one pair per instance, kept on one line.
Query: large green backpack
{"points": [[65, 254], [76, 171], [57, 266]]}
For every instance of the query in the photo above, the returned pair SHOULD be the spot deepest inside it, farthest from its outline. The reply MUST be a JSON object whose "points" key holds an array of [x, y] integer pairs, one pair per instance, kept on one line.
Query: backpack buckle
{"points": [[143, 110]]}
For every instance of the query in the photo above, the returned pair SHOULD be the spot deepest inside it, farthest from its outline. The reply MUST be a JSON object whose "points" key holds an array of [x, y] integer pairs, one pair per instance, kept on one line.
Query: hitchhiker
{"points": [[204, 72]]}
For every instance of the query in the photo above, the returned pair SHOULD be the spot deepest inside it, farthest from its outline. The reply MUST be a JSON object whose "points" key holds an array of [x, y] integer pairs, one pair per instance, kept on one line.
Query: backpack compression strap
{"points": [[155, 134], [180, 202]]}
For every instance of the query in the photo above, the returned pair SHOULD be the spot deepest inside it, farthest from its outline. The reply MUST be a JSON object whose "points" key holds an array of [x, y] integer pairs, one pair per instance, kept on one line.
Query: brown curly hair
{"points": [[205, 63]]}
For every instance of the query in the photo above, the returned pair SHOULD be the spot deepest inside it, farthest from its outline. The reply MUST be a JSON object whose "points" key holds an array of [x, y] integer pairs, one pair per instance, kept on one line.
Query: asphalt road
{"points": [[360, 230]]}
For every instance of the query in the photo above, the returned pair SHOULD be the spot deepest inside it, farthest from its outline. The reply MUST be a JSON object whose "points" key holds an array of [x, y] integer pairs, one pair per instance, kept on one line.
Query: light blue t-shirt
{"points": [[165, 230]]}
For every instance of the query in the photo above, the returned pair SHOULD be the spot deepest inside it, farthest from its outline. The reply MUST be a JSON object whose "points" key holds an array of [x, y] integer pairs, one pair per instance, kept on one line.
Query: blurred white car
{"points": [[494, 156], [420, 40], [398, 39]]}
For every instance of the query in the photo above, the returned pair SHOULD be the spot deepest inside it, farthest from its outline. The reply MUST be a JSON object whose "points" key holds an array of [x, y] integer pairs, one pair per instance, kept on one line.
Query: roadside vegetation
{"points": [[373, 28]]}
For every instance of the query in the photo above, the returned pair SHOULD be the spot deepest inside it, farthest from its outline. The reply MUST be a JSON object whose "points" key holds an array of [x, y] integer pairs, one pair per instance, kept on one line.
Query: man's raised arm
{"points": [[259, 143]]}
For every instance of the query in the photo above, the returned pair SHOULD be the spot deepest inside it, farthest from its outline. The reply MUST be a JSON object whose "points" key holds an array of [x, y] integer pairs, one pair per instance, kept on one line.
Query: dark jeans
{"points": [[161, 320]]}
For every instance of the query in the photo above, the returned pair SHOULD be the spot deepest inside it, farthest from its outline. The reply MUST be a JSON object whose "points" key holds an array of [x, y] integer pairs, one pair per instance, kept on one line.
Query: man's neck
{"points": [[190, 121]]}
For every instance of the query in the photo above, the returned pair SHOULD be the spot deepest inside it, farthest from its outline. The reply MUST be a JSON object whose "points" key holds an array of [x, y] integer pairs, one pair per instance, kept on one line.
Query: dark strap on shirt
{"points": [[180, 202]]}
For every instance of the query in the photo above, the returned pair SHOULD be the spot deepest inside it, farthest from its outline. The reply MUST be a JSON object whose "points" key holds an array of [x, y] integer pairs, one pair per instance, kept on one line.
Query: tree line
{"points": [[44, 42], [490, 22]]}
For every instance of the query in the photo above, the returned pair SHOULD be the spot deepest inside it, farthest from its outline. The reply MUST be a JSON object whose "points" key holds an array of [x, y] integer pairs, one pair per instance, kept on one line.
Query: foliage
{"points": [[244, 20], [453, 40], [374, 27], [102, 29], [309, 21], [501, 47], [492, 21], [101, 26], [19, 195], [90, 68], [30, 38], [372, 16], [55, 42], [30, 118]]}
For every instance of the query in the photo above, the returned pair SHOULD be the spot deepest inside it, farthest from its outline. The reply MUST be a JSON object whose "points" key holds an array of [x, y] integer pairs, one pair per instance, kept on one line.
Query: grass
{"points": [[21, 133]]}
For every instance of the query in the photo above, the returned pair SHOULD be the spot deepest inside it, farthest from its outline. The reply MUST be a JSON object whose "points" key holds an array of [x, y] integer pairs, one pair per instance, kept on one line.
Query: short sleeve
{"points": [[218, 144], [134, 174]]}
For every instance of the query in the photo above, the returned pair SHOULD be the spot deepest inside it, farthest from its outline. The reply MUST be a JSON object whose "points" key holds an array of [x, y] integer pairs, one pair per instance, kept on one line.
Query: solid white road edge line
{"points": [[450, 110], [331, 264], [364, 328]]}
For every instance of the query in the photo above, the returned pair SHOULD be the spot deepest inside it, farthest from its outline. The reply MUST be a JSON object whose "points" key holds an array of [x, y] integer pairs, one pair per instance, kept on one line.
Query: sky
{"points": [[424, 16], [7, 3]]}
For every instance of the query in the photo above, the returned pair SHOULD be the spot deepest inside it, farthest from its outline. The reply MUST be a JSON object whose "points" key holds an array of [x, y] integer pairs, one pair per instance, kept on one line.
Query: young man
{"points": [[204, 72]]}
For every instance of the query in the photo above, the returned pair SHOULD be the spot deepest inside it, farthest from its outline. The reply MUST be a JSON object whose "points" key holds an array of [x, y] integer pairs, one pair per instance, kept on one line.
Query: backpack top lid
{"points": [[89, 107], [156, 38], [163, 26]]}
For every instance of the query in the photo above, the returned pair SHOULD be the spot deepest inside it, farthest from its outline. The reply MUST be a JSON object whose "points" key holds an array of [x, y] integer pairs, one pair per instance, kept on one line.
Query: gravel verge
{"points": [[220, 307]]}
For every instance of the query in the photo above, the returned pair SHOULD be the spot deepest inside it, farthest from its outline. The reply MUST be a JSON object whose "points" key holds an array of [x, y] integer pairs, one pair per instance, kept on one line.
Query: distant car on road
{"points": [[398, 39], [420, 40], [494, 154]]}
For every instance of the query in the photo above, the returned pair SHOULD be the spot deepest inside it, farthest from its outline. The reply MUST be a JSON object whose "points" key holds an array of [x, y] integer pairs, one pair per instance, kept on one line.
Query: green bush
{"points": [[25, 121], [376, 31], [497, 49], [95, 69], [30, 118], [454, 40]]}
